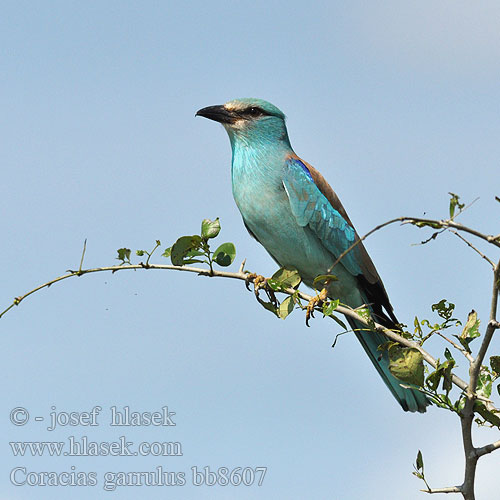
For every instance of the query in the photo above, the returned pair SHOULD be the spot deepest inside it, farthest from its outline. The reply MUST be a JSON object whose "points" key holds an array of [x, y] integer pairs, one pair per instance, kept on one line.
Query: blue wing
{"points": [[312, 208]]}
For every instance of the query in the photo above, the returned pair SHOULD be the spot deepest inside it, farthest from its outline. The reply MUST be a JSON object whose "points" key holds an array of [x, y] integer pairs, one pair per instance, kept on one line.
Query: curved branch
{"points": [[241, 275], [113, 269]]}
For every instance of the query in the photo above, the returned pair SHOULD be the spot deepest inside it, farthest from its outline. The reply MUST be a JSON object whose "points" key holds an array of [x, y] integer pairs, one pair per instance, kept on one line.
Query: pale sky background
{"points": [[396, 103]]}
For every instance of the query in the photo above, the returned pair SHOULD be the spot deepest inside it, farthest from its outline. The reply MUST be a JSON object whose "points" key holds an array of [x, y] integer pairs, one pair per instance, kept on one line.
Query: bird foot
{"points": [[255, 279], [315, 302], [260, 283]]}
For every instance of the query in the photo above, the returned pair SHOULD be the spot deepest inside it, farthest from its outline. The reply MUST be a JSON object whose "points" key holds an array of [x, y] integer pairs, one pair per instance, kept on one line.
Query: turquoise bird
{"points": [[287, 205]]}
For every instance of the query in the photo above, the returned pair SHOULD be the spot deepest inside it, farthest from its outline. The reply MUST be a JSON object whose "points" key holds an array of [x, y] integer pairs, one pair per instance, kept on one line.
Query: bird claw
{"points": [[249, 278], [315, 302], [260, 283]]}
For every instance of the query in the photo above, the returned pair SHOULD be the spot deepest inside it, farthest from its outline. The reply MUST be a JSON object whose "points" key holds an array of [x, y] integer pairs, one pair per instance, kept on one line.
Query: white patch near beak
{"points": [[234, 106]]}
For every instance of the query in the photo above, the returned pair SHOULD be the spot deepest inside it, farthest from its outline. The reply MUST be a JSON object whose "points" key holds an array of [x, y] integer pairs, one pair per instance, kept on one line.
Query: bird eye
{"points": [[254, 112]]}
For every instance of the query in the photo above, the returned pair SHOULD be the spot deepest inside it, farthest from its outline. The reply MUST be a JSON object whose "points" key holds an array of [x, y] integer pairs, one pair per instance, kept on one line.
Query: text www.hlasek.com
{"points": [[84, 448]]}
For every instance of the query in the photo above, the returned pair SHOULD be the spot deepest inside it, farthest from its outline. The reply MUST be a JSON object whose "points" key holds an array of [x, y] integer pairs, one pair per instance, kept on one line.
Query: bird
{"points": [[291, 210]]}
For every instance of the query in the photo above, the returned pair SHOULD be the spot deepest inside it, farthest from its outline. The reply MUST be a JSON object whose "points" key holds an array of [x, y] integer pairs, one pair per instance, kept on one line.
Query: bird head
{"points": [[249, 121]]}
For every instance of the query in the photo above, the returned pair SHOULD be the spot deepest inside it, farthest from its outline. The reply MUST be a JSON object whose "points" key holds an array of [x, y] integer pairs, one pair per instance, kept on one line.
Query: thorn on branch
{"points": [[79, 273], [242, 266]]}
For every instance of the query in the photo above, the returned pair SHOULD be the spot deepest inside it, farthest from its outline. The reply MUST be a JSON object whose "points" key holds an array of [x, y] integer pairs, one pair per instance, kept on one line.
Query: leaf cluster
{"points": [[191, 249]]}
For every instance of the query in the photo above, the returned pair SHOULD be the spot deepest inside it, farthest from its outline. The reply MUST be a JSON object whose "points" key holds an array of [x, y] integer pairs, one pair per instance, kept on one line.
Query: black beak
{"points": [[217, 113]]}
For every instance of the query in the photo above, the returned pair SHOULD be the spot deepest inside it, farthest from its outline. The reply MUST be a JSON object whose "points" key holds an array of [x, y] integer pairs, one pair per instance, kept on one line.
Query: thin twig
{"points": [[458, 347], [83, 255], [359, 240], [456, 233]]}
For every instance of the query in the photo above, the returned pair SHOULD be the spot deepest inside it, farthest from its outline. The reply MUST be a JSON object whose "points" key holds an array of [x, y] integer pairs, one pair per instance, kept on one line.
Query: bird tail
{"points": [[409, 399]]}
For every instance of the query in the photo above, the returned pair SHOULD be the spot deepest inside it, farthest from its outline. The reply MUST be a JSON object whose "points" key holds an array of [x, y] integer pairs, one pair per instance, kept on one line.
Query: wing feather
{"points": [[314, 204]]}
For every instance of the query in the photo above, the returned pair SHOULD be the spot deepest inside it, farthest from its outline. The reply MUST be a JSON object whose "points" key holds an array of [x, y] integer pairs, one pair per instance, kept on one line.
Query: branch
{"points": [[240, 275], [488, 448], [447, 223], [490, 329], [419, 222], [467, 416], [113, 269], [450, 489]]}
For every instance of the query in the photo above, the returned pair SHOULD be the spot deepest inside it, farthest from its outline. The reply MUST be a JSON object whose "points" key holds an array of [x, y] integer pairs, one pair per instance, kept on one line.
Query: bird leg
{"points": [[315, 302]]}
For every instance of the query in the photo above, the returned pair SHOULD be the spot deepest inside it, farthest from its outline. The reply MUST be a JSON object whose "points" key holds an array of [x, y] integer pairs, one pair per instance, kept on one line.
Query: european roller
{"points": [[291, 210]]}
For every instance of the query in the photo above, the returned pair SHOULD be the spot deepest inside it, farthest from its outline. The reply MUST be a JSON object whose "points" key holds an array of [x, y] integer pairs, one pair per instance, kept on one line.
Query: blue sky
{"points": [[396, 103]]}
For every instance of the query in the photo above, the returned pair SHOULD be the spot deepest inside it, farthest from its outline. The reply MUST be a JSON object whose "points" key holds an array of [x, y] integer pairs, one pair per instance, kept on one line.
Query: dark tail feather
{"points": [[409, 399]]}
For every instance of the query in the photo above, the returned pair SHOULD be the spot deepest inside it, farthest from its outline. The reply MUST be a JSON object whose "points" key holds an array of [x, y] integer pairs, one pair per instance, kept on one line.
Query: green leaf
{"points": [[444, 402], [489, 416], [329, 306], [324, 280], [434, 225], [470, 331], [286, 307], [444, 309], [454, 202], [420, 461], [269, 307], [460, 404], [195, 253], [433, 379], [448, 355], [210, 228], [471, 328], [365, 313], [167, 252], [484, 384], [285, 278], [140, 253], [407, 364], [447, 367], [124, 255], [495, 364], [225, 254], [182, 247], [418, 329], [189, 258]]}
